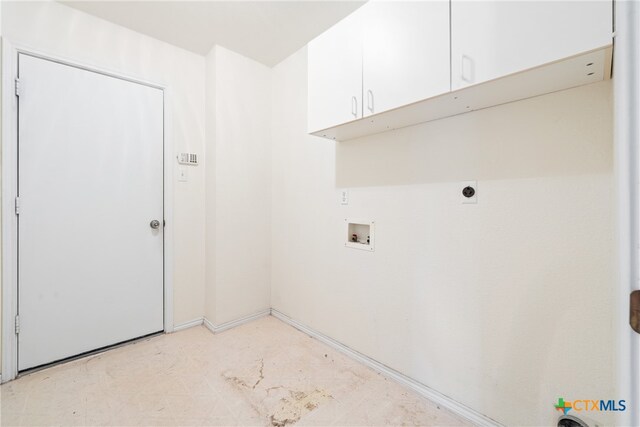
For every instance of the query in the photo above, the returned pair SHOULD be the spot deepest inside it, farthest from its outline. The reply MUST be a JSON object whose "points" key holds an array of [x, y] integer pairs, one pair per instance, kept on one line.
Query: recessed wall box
{"points": [[360, 234]]}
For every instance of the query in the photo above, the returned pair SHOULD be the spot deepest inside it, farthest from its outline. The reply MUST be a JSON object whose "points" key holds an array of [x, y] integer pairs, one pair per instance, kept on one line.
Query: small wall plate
{"points": [[344, 197], [183, 174]]}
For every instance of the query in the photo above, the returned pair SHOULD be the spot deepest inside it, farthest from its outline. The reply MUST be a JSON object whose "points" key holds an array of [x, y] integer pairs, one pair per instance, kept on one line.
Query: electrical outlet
{"points": [[344, 197], [468, 192]]}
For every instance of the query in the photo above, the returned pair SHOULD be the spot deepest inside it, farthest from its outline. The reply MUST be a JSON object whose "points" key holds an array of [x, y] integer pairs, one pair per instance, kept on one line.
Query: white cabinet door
{"points": [[405, 53], [335, 75], [491, 39]]}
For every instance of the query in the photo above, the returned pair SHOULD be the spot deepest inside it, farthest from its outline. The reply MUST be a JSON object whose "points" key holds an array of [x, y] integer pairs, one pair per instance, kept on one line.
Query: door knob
{"points": [[155, 224]]}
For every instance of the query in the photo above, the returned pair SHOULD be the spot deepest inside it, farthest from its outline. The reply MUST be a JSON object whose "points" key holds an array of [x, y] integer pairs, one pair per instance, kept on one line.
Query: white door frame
{"points": [[627, 168], [9, 176]]}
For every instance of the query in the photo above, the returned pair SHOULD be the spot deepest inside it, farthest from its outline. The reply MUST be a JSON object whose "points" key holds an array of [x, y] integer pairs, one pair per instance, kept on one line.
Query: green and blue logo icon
{"points": [[563, 406]]}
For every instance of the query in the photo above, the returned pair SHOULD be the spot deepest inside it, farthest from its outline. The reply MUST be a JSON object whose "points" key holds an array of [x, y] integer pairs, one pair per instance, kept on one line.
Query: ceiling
{"points": [[267, 31]]}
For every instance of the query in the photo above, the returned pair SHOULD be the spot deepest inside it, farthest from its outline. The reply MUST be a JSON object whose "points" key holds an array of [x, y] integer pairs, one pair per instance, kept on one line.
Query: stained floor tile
{"points": [[264, 373]]}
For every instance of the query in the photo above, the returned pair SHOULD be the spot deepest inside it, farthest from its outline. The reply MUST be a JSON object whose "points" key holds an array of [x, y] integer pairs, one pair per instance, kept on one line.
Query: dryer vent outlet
{"points": [[573, 421], [468, 192]]}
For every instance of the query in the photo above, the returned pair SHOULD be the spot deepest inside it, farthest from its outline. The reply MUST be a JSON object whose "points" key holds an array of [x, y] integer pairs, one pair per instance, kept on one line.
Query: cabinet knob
{"points": [[370, 100], [354, 106]]}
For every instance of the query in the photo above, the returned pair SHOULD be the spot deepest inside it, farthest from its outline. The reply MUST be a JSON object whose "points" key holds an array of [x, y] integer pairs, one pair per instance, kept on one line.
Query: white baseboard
{"points": [[233, 323], [209, 325], [189, 324], [446, 402]]}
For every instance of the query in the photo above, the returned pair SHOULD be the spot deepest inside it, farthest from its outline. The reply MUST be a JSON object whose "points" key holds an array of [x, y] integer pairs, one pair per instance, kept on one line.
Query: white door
{"points": [[405, 54], [90, 181], [335, 75], [493, 38]]}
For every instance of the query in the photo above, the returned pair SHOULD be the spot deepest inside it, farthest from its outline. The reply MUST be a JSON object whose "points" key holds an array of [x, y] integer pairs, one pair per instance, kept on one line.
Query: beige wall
{"points": [[503, 306], [238, 186], [57, 30]]}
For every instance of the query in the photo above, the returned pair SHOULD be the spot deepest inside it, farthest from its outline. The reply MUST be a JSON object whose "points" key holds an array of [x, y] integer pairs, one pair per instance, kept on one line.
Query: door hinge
{"points": [[18, 87], [17, 205], [634, 311], [17, 325]]}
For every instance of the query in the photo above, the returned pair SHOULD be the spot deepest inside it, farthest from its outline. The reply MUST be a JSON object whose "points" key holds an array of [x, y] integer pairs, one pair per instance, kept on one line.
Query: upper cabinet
{"points": [[392, 64], [383, 56], [335, 75], [405, 55], [491, 39]]}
